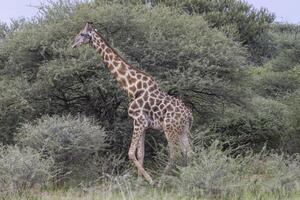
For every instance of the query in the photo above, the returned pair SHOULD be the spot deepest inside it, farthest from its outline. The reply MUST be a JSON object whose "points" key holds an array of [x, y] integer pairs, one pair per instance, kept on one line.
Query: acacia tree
{"points": [[236, 18], [202, 65]]}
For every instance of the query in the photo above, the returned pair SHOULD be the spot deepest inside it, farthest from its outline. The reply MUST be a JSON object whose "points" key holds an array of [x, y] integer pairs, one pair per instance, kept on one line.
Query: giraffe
{"points": [[149, 106]]}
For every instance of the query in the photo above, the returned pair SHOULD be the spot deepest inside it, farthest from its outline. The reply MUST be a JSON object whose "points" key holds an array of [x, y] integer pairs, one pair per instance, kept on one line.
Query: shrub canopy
{"points": [[75, 144]]}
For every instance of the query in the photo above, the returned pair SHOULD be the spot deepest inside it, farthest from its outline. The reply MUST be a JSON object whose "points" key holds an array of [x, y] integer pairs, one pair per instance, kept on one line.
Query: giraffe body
{"points": [[149, 106], [160, 111]]}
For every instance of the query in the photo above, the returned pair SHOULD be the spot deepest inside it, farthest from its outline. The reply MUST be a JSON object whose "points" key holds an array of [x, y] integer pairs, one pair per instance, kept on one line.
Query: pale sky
{"points": [[18, 8], [285, 10]]}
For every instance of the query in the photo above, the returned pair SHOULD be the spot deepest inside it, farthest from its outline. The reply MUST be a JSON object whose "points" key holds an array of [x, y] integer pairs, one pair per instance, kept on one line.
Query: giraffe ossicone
{"points": [[149, 106]]}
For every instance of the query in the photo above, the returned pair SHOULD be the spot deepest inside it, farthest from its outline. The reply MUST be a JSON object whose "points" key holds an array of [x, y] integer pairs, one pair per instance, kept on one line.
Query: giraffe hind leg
{"points": [[172, 158], [185, 147], [174, 148], [173, 153], [141, 151], [179, 145]]}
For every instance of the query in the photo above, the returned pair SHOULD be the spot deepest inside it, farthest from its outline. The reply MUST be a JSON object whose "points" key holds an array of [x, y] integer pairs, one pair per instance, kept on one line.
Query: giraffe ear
{"points": [[89, 26]]}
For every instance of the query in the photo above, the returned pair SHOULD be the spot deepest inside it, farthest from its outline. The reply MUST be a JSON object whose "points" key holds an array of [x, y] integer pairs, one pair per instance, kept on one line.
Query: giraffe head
{"points": [[84, 36]]}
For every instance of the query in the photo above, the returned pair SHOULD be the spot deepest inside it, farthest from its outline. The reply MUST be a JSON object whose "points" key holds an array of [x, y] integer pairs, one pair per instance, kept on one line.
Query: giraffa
{"points": [[149, 106]]}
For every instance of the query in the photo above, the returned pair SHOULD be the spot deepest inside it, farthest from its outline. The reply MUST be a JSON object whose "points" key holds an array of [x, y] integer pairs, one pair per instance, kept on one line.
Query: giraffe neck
{"points": [[131, 79]]}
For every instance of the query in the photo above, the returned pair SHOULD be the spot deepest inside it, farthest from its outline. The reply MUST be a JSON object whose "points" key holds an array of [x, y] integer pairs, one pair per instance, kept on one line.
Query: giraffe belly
{"points": [[156, 124], [154, 120]]}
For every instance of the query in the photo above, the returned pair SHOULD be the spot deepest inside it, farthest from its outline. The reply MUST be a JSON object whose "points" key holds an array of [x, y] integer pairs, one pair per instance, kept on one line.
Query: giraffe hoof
{"points": [[158, 184], [151, 182]]}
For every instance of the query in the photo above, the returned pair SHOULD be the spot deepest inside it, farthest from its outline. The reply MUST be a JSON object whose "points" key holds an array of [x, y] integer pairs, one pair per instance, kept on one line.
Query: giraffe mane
{"points": [[115, 52]]}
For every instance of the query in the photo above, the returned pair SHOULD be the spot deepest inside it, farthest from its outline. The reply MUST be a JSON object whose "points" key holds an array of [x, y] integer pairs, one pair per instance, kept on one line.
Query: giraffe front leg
{"points": [[137, 134]]}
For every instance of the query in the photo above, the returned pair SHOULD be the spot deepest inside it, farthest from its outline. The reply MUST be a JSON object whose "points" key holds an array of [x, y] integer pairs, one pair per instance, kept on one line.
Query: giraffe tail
{"points": [[190, 121]]}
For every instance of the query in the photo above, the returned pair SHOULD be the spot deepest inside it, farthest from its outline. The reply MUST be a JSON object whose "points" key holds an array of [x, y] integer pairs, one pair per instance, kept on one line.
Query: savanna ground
{"points": [[64, 129], [98, 193]]}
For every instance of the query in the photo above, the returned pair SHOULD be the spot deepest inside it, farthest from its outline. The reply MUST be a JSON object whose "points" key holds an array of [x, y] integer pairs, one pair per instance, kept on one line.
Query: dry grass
{"points": [[104, 192]]}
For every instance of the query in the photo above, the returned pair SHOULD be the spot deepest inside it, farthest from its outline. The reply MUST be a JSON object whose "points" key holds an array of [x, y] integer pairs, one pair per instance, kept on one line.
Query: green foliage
{"points": [[14, 107], [292, 139], [294, 103], [75, 144], [277, 84], [286, 29], [3, 31], [288, 57], [215, 173], [209, 170], [237, 19], [267, 124], [287, 47], [21, 169], [212, 173], [189, 59], [195, 49]]}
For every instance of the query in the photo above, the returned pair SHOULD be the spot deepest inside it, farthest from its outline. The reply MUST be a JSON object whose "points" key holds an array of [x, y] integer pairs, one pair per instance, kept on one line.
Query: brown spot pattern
{"points": [[122, 70]]}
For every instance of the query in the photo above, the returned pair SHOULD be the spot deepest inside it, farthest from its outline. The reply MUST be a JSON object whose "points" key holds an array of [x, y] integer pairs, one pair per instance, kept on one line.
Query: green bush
{"points": [[276, 84], [288, 56], [214, 172], [292, 140], [287, 48], [21, 169], [14, 107], [237, 19], [76, 144], [279, 87], [265, 122]]}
